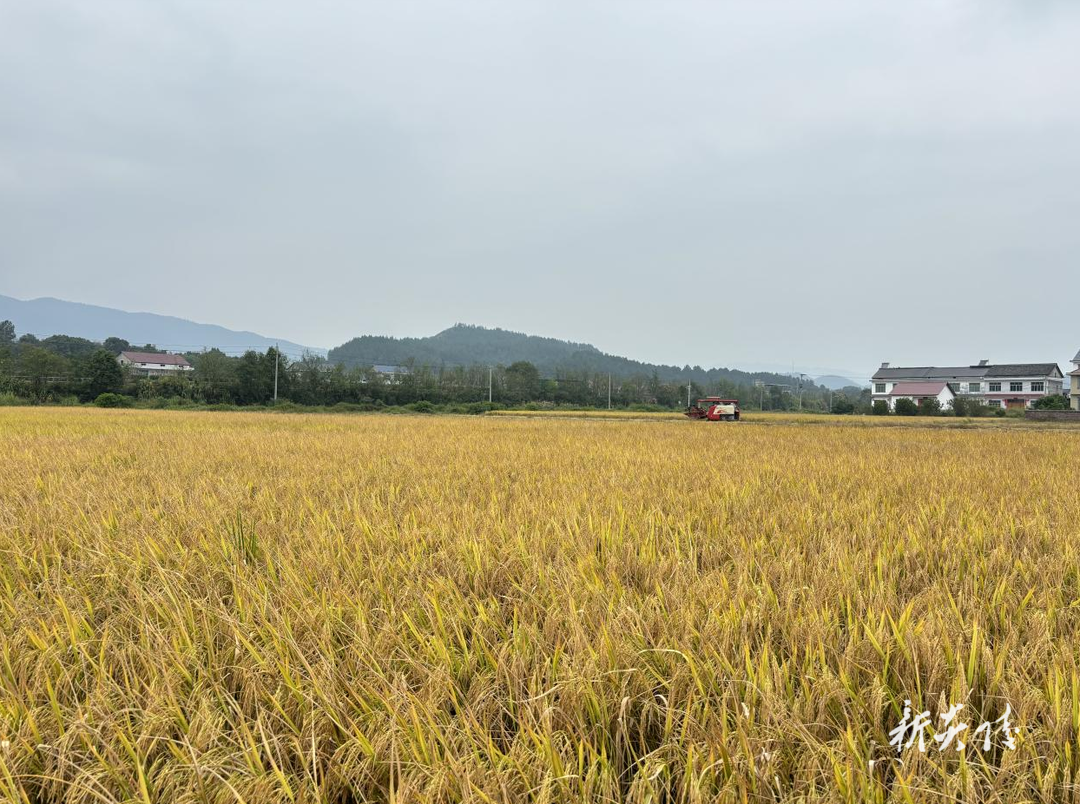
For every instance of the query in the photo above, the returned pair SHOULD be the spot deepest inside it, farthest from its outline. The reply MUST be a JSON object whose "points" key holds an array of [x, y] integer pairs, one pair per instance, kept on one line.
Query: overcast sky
{"points": [[826, 183]]}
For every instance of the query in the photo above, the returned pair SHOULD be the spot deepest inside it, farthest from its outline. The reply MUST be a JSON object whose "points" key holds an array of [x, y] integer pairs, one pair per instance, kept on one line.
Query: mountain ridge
{"points": [[47, 316]]}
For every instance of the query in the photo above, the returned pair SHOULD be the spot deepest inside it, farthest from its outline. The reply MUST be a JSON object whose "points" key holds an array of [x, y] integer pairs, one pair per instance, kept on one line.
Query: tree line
{"points": [[64, 368]]}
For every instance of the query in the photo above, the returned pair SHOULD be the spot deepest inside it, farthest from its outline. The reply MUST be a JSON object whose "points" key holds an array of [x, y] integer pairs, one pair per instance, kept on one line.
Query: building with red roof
{"points": [[918, 392], [154, 364]]}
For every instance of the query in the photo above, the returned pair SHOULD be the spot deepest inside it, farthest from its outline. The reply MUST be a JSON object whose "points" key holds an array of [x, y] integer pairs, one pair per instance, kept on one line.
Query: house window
{"points": [[1016, 387], [1038, 387], [995, 386], [879, 388], [974, 387], [994, 403]]}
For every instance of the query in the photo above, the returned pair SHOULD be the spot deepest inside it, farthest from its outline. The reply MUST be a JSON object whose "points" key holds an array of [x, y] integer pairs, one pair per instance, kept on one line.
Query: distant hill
{"points": [[835, 383], [44, 317], [466, 345]]}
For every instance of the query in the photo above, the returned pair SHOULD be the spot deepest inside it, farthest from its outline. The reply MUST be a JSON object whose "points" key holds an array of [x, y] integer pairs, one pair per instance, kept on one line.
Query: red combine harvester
{"points": [[715, 409]]}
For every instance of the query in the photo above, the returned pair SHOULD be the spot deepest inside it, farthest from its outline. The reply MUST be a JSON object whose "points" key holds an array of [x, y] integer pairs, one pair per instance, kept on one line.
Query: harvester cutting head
{"points": [[715, 409]]}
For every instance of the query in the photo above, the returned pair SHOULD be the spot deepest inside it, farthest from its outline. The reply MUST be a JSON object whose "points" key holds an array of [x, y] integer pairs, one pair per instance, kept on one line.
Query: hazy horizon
{"points": [[831, 185]]}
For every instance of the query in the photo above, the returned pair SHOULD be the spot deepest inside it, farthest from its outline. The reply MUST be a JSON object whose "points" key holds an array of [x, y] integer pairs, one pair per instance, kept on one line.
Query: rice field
{"points": [[216, 607]]}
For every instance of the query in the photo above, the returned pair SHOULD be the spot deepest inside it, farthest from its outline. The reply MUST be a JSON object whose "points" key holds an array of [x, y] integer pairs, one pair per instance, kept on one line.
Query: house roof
{"points": [[919, 388], [967, 372], [1023, 370], [929, 372], [154, 357], [1076, 359]]}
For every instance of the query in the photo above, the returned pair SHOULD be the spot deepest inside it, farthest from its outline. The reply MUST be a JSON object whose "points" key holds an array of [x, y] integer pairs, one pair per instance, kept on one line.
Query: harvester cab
{"points": [[715, 409]]}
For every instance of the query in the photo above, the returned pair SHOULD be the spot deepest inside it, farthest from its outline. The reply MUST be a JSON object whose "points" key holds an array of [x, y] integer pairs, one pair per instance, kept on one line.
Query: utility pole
{"points": [[490, 370], [277, 359], [688, 394], [802, 377], [609, 392]]}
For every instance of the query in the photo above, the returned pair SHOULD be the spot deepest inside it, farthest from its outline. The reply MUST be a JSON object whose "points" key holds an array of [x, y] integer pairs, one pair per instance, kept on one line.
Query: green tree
{"points": [[311, 381], [251, 385], [841, 404], [7, 332], [523, 382], [255, 377], [70, 346], [103, 374], [906, 407], [1052, 402], [880, 407], [116, 345], [41, 369], [215, 375]]}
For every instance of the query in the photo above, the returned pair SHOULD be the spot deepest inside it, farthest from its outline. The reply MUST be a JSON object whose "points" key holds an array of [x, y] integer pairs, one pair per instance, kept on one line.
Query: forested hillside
{"points": [[465, 345]]}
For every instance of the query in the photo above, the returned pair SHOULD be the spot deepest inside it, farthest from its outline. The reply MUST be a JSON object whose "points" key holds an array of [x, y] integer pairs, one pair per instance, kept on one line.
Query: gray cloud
{"points": [[830, 183]]}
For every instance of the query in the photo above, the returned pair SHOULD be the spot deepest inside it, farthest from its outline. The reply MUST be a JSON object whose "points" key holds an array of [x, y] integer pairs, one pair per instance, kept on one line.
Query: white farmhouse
{"points": [[152, 364], [1009, 385]]}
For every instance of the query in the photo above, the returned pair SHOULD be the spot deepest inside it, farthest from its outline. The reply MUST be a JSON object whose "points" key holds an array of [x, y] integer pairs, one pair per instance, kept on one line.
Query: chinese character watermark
{"points": [[913, 731]]}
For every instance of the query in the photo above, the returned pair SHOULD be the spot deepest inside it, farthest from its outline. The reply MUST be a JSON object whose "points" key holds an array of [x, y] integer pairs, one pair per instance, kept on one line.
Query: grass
{"points": [[199, 607]]}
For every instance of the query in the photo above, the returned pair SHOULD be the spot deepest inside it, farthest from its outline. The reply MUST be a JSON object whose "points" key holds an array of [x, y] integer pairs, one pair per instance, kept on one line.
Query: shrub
{"points": [[423, 406], [880, 408], [970, 407], [352, 407], [1052, 402], [842, 405], [111, 400], [906, 407], [930, 407], [472, 408]]}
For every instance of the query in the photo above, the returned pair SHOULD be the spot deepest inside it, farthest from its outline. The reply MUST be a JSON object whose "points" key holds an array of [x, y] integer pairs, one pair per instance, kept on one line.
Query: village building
{"points": [[1014, 386], [919, 392], [153, 364]]}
